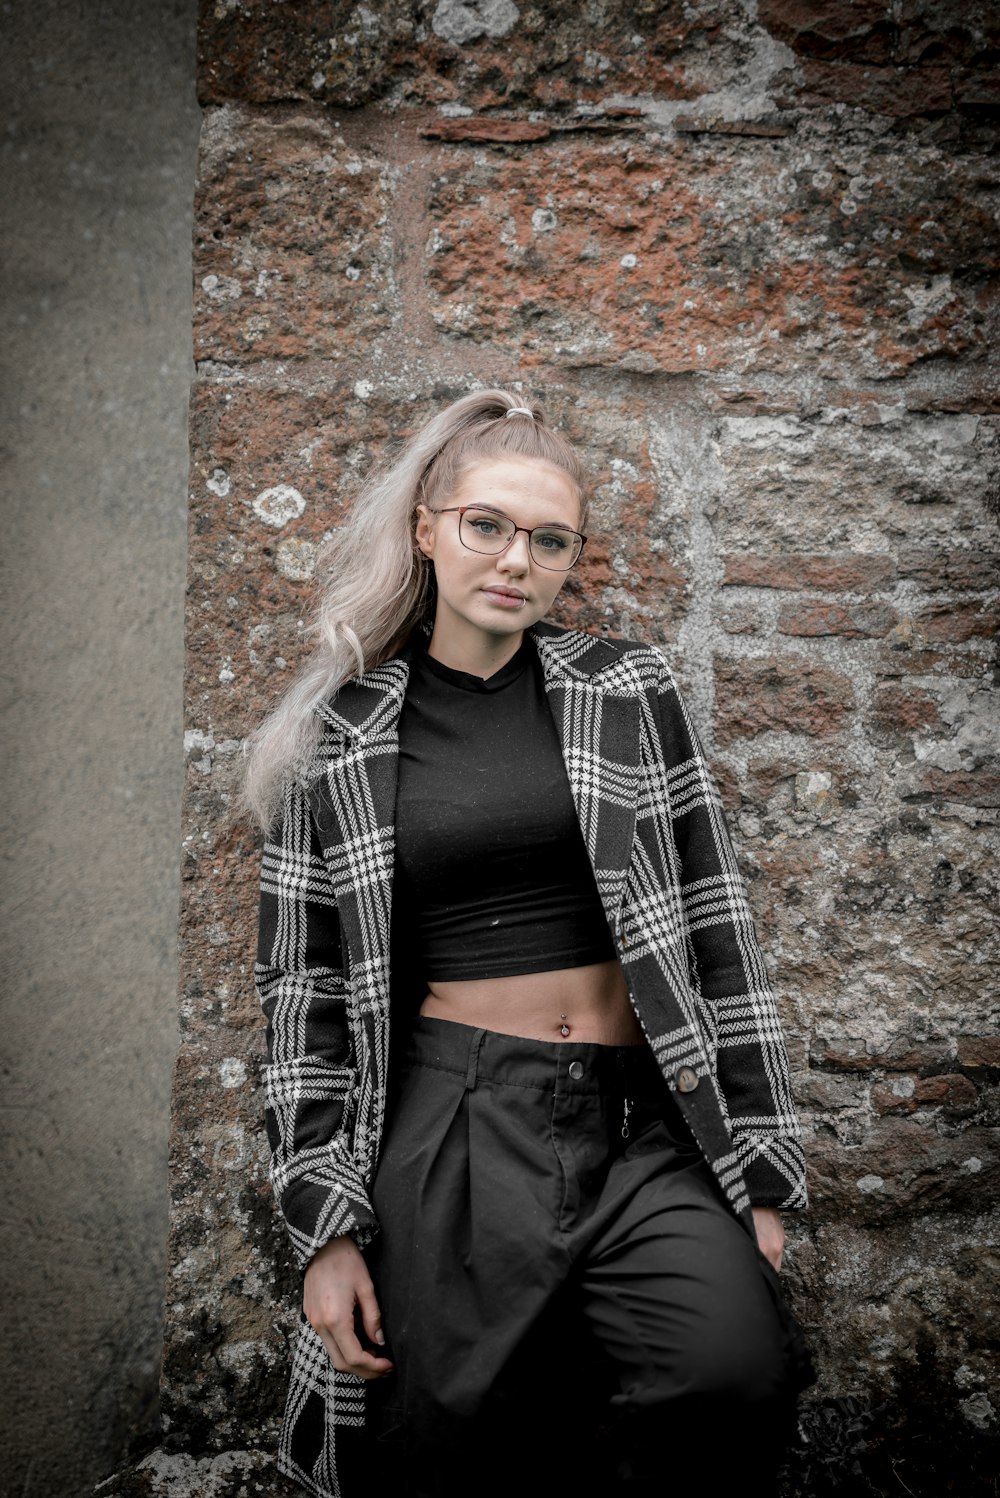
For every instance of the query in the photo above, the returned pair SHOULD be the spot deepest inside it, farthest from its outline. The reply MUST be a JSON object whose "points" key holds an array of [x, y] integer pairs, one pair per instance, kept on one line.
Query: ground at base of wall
{"points": [[848, 1447], [855, 1448], [224, 1474]]}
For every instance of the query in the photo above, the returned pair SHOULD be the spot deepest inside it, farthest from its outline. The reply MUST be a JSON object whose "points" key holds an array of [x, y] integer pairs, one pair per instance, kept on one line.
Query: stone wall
{"points": [[746, 254]]}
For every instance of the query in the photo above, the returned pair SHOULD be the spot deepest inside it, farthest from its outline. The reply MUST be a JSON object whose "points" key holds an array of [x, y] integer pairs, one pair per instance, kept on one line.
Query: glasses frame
{"points": [[460, 510]]}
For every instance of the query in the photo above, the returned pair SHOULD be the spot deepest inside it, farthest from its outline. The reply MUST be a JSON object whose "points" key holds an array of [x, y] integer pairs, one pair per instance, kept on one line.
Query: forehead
{"points": [[513, 483]]}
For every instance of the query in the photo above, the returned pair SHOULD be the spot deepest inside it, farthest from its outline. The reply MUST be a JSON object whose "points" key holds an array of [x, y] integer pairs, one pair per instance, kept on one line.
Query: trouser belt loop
{"points": [[472, 1074]]}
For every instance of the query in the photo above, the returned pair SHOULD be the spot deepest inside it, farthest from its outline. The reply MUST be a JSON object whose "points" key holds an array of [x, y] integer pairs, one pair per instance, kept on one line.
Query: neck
{"points": [[481, 655]]}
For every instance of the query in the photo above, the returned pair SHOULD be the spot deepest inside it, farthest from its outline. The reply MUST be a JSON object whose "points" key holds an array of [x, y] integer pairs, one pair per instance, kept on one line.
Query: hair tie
{"points": [[520, 411]]}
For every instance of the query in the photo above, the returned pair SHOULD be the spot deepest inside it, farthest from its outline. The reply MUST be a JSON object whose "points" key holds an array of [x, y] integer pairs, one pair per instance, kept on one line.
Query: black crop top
{"points": [[492, 875]]}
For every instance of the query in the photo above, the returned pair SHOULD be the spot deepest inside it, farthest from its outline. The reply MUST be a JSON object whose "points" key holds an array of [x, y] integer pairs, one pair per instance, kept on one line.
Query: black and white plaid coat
{"points": [[654, 828]]}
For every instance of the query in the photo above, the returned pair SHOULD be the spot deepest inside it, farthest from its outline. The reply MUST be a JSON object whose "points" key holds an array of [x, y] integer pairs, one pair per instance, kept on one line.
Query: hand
{"points": [[770, 1234], [337, 1281]]}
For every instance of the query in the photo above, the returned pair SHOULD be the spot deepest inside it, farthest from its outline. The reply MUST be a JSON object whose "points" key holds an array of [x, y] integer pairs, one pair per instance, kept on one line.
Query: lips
{"points": [[507, 598]]}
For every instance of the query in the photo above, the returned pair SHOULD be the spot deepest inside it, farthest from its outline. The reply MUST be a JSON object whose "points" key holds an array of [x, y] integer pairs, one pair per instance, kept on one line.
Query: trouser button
{"points": [[576, 1070]]}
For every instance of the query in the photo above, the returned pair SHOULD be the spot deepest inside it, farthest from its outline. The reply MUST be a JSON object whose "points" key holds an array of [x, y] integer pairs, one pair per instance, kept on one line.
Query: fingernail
{"points": [[379, 1338]]}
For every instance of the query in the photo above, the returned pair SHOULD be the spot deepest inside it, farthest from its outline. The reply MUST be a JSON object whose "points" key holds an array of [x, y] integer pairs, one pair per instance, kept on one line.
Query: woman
{"points": [[526, 1091]]}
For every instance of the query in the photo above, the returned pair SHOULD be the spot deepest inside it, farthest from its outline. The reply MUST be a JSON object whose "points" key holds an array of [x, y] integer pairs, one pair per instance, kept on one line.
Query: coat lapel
{"points": [[353, 799], [599, 735], [354, 802]]}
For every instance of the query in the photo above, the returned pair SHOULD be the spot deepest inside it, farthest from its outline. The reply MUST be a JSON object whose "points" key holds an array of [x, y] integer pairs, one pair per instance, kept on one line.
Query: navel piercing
{"points": [[563, 1028]]}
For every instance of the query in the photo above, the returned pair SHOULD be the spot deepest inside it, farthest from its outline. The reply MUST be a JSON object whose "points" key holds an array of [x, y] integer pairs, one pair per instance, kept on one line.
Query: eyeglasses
{"points": [[490, 532]]}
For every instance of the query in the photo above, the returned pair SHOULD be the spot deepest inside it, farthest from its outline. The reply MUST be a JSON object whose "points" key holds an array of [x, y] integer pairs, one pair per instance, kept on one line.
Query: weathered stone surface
{"points": [[837, 574], [898, 710], [956, 1093], [786, 691], [483, 53], [953, 571], [916, 33], [499, 129], [865, 620], [249, 1474], [860, 479], [292, 246], [765, 310], [888, 1304], [696, 258], [904, 1166], [882, 90], [958, 621]]}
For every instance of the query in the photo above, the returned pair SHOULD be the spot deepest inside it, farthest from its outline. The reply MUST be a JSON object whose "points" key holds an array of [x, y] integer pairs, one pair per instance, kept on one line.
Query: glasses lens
{"points": [[555, 549], [482, 530]]}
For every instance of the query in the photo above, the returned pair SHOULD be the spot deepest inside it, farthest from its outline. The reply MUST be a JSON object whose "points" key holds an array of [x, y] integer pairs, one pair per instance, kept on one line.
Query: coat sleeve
{"points": [[310, 1072], [728, 967]]}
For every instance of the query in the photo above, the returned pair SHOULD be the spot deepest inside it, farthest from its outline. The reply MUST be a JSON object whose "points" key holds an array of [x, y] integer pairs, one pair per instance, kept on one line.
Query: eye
{"points": [[555, 541], [482, 525]]}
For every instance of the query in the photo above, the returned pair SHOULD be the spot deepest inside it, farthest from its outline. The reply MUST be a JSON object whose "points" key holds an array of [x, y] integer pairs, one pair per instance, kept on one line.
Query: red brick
{"points": [[246, 439], [554, 56], [947, 31], [862, 30], [956, 622], [972, 787], [916, 32], [951, 1091], [855, 1056], [716, 281], [851, 573], [788, 692], [977, 89], [292, 257], [892, 91], [886, 1099], [855, 620], [921, 1171], [972, 570], [899, 656], [979, 1050], [487, 128], [900, 711]]}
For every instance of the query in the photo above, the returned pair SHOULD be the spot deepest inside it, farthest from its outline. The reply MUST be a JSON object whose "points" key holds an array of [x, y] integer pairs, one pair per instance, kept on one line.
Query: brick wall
{"points": [[746, 254]]}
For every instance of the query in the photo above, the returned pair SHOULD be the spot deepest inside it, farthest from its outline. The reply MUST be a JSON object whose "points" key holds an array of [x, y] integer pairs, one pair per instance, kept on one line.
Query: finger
{"points": [[369, 1366], [354, 1360], [371, 1315], [357, 1360]]}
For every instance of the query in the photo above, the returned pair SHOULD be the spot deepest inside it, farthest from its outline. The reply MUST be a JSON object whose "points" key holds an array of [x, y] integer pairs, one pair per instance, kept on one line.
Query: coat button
{"points": [[576, 1070], [685, 1079]]}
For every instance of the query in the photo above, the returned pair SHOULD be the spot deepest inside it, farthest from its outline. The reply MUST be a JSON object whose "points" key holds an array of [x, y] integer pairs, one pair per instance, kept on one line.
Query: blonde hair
{"points": [[375, 586]]}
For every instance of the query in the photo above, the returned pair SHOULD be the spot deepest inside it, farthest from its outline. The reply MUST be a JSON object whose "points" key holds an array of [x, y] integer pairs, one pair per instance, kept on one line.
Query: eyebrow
{"points": [[547, 525]]}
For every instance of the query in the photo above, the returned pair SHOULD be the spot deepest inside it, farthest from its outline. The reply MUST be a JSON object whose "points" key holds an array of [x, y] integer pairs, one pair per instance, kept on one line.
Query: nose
{"points": [[516, 558]]}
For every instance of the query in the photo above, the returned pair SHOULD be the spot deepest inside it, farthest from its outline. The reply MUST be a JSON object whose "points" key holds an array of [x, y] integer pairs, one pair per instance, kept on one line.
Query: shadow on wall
{"points": [[99, 163]]}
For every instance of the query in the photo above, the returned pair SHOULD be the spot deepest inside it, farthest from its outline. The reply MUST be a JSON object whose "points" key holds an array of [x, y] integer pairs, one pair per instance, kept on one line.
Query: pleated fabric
{"points": [[560, 1272]]}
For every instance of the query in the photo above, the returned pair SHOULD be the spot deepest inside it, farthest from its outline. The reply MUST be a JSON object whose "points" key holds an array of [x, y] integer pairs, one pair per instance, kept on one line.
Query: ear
{"points": [[424, 534]]}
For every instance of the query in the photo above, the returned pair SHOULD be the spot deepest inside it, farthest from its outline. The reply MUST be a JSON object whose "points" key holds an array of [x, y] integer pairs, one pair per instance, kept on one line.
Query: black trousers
{"points": [[565, 1292]]}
